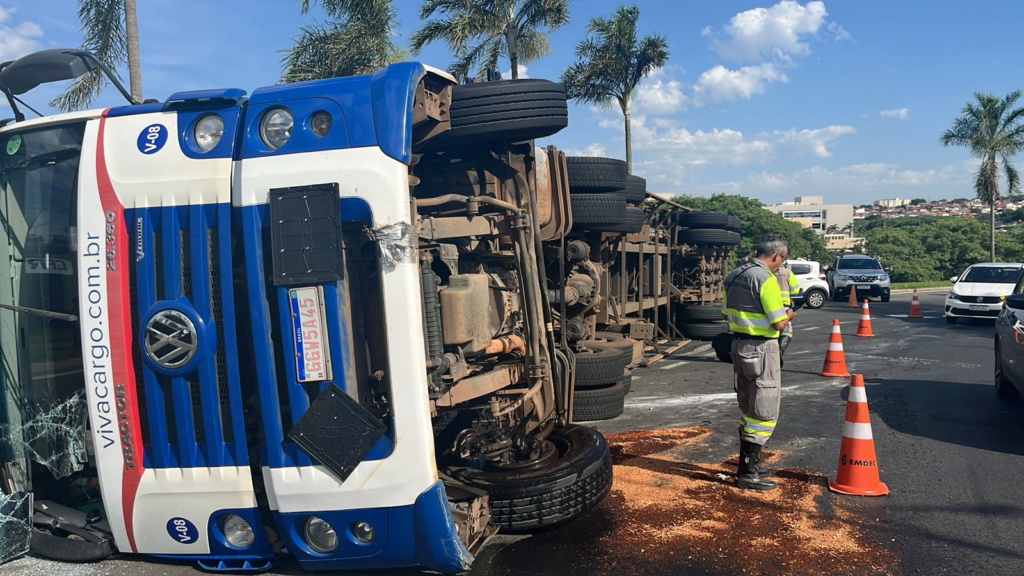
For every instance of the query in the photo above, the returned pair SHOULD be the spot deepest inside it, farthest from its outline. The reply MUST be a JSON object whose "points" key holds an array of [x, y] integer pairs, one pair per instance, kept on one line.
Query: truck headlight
{"points": [[321, 123], [208, 132], [238, 532], [319, 535], [276, 127]]}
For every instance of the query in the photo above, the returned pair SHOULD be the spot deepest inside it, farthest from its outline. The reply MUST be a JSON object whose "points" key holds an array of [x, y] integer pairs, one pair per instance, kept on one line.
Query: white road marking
{"points": [[916, 360], [808, 328], [674, 365]]}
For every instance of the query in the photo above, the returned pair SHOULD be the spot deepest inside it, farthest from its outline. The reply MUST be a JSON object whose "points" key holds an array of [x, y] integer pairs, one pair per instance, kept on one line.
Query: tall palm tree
{"points": [[612, 61], [993, 131], [482, 31], [358, 38], [111, 31]]}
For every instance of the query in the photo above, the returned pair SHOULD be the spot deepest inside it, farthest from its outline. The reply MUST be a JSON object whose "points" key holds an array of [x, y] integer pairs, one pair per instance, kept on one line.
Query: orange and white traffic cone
{"points": [[915, 307], [857, 473], [853, 297], [864, 326], [835, 358]]}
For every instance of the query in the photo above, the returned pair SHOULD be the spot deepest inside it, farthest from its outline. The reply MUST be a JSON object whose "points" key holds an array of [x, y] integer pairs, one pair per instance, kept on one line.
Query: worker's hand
{"points": [[791, 313]]}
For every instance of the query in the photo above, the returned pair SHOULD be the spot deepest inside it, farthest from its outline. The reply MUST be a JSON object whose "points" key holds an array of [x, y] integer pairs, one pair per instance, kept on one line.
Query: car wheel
{"points": [[1004, 388], [950, 319], [837, 296], [885, 297], [815, 299], [570, 481]]}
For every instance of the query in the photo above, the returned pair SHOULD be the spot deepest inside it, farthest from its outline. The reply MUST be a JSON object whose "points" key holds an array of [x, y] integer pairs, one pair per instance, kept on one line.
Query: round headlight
{"points": [[238, 532], [321, 123], [276, 127], [208, 132], [319, 535], [363, 531]]}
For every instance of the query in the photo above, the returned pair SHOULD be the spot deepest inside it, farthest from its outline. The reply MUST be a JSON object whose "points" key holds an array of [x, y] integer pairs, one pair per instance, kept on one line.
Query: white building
{"points": [[812, 212], [892, 202]]}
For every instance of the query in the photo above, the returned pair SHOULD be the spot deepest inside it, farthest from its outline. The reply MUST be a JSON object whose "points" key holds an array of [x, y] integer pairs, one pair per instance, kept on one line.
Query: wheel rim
{"points": [[816, 299]]}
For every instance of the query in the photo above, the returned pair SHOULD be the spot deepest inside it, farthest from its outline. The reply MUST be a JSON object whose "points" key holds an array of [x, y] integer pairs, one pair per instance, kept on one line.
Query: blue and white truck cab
{"points": [[309, 321]]}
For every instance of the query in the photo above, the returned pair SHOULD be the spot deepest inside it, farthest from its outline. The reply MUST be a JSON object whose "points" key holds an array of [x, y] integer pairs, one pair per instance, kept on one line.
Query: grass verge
{"points": [[911, 285]]}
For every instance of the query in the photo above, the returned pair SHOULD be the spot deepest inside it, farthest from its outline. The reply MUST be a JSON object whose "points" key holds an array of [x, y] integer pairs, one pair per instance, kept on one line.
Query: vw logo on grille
{"points": [[981, 298], [170, 339]]}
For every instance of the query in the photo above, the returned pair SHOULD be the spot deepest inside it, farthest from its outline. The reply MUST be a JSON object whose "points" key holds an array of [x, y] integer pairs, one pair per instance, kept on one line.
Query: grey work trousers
{"points": [[758, 386]]}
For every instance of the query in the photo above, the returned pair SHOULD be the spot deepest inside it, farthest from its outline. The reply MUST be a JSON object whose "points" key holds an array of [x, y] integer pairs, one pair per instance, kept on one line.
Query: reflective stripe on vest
{"points": [[750, 288]]}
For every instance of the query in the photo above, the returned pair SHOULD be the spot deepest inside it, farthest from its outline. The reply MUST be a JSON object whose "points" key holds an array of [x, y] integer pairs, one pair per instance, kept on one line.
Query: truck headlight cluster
{"points": [[238, 532], [208, 132], [321, 123], [276, 127], [319, 535]]}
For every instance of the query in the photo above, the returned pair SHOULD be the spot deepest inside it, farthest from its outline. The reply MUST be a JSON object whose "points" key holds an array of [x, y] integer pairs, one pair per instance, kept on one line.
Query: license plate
{"points": [[978, 307], [866, 287], [312, 357]]}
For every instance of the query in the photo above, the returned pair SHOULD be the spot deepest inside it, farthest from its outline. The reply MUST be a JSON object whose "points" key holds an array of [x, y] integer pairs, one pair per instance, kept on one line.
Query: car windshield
{"points": [[992, 274], [859, 264]]}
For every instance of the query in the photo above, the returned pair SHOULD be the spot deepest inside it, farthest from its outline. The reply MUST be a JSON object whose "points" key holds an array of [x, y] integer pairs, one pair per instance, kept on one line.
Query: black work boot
{"points": [[748, 477]]}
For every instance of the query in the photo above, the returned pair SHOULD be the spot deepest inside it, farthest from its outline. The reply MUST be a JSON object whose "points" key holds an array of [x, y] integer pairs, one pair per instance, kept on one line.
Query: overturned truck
{"points": [[351, 320]]}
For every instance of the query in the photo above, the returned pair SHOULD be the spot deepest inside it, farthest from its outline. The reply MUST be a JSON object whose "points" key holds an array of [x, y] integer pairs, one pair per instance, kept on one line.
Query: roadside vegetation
{"points": [[912, 285]]}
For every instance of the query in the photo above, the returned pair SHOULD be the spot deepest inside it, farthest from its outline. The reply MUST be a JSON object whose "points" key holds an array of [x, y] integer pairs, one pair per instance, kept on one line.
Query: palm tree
{"points": [[612, 61], [111, 31], [992, 129], [482, 31], [358, 38]]}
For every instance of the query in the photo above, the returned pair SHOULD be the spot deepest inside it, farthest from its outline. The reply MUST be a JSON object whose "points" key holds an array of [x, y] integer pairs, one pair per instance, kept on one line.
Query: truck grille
{"points": [[192, 419]]}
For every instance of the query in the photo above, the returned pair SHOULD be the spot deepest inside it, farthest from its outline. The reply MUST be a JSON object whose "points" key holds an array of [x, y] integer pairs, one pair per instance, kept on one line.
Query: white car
{"points": [[813, 285], [980, 291]]}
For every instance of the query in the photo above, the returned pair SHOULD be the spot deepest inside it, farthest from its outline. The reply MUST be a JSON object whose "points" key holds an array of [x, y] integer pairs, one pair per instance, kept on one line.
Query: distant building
{"points": [[892, 202], [811, 212], [842, 242]]}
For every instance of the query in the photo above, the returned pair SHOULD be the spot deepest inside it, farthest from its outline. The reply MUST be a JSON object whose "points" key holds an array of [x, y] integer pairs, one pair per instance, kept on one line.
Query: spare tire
{"points": [[550, 493], [593, 174], [700, 314], [705, 219], [589, 210], [592, 404], [507, 110], [636, 189], [703, 331], [702, 236], [632, 221]]}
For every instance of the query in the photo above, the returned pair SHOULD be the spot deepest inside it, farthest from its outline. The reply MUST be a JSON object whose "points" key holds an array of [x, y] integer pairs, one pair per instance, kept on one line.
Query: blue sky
{"points": [[840, 99]]}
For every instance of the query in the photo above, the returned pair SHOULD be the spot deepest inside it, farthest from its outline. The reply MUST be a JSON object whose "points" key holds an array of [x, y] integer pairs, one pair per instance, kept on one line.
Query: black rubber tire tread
{"points": [[507, 110], [595, 174], [703, 331], [709, 236], [590, 210], [593, 404], [701, 219], [633, 221], [1004, 387], [627, 382], [53, 547], [700, 314], [540, 499], [636, 189], [734, 223], [602, 366], [615, 340], [807, 298]]}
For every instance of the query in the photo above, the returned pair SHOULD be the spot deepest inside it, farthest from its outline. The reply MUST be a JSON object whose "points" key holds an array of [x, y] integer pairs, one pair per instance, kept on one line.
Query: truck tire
{"points": [[717, 220], [710, 237], [627, 382], [704, 331], [700, 314], [549, 494], [62, 549], [508, 110], [734, 223], [636, 189], [601, 365], [593, 404], [590, 210], [632, 221], [592, 174]]}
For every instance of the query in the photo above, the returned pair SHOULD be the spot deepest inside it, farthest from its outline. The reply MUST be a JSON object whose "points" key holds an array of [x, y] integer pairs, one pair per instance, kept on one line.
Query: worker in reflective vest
{"points": [[753, 306], [788, 289]]}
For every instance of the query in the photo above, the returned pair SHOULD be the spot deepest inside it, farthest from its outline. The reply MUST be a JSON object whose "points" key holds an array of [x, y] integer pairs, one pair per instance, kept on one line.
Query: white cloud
{"points": [[720, 83], [901, 113], [838, 33], [813, 141], [659, 94], [596, 149], [507, 74], [777, 32], [18, 40]]}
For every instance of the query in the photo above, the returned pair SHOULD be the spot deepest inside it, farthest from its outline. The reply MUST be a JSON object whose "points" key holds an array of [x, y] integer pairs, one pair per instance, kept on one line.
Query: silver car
{"points": [[864, 272]]}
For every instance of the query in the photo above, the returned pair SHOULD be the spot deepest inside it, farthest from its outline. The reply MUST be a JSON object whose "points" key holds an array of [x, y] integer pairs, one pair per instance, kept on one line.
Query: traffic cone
{"points": [[835, 359], [857, 473], [915, 307], [864, 326], [853, 297]]}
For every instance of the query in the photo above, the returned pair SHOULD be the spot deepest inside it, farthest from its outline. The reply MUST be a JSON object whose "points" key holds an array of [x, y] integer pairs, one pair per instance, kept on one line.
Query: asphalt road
{"points": [[950, 452]]}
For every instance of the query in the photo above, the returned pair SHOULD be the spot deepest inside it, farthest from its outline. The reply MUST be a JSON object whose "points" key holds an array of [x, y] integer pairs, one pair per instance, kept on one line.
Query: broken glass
{"points": [[53, 437], [15, 525]]}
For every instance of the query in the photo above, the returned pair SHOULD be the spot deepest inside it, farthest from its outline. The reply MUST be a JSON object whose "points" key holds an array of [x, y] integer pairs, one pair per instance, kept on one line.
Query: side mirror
{"points": [[953, 279], [1015, 302]]}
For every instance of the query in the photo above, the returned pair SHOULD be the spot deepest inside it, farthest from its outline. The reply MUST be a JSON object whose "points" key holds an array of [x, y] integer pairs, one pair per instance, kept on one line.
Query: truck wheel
{"points": [[734, 223], [591, 174], [590, 210], [700, 314], [706, 331], [716, 220], [636, 189], [632, 221], [508, 110], [552, 492], [602, 364], [592, 404], [63, 549], [705, 236]]}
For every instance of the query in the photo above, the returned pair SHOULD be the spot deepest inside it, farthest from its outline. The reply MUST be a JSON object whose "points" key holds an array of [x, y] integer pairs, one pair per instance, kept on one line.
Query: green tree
{"points": [[991, 129], [482, 31], [833, 229], [111, 32], [918, 201], [357, 38], [611, 62]]}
